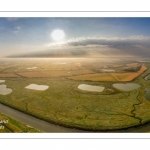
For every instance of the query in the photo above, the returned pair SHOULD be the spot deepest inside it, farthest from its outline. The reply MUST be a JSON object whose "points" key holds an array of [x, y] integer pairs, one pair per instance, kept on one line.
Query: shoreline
{"points": [[50, 127]]}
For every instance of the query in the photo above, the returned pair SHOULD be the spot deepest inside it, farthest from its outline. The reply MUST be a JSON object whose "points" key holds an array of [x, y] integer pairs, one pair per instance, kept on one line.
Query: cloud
{"points": [[134, 46], [134, 40], [12, 18], [16, 29]]}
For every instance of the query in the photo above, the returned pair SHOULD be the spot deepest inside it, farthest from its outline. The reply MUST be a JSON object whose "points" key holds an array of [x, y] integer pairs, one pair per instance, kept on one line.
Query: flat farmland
{"points": [[31, 74], [110, 76], [7, 75], [95, 77], [64, 104], [132, 64], [128, 76]]}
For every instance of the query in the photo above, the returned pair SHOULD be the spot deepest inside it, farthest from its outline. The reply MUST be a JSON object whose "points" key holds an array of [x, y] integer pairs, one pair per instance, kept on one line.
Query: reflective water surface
{"points": [[4, 90], [37, 87], [126, 86], [93, 88], [2, 81]]}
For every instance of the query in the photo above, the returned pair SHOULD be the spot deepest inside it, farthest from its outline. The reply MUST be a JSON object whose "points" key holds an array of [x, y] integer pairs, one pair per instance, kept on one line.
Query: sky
{"points": [[82, 36]]}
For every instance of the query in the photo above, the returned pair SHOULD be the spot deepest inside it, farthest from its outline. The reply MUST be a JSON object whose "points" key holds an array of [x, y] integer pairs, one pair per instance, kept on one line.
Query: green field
{"points": [[9, 125], [64, 104]]}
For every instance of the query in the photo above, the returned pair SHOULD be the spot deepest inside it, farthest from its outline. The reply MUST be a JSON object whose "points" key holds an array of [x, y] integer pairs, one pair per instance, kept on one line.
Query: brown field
{"points": [[72, 69], [128, 76], [115, 66], [58, 73], [33, 74], [83, 71], [110, 76], [7, 75], [53, 73], [132, 65], [95, 77]]}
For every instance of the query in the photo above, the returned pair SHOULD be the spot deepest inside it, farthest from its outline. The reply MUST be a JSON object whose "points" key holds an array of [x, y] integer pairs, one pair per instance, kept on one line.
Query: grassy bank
{"points": [[10, 125]]}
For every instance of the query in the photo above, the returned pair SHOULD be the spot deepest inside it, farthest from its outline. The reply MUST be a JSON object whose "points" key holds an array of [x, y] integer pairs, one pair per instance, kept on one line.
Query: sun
{"points": [[58, 35]]}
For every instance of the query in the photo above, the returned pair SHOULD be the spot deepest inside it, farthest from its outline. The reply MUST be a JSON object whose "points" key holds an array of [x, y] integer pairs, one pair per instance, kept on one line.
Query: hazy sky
{"points": [[106, 35]]}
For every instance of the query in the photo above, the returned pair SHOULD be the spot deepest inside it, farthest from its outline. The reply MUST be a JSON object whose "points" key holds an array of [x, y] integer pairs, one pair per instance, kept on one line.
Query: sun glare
{"points": [[58, 35]]}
